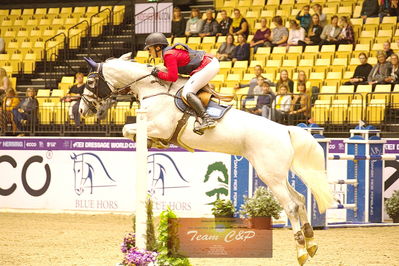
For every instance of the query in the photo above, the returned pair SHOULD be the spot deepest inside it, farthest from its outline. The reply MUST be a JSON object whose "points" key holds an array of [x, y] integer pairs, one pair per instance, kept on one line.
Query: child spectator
{"points": [[194, 24], [299, 110], [313, 33], [239, 24], [296, 33], [261, 37], [330, 32], [279, 34], [26, 111], [282, 104], [178, 23], [210, 27], [226, 50], [305, 18], [224, 24], [263, 101], [241, 52]]}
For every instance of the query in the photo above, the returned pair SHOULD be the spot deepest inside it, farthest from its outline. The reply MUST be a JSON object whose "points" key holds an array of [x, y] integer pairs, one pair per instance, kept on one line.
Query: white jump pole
{"points": [[141, 178]]}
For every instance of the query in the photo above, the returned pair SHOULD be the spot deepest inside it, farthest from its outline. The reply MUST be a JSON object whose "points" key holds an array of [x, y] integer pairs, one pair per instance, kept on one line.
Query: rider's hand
{"points": [[154, 72]]}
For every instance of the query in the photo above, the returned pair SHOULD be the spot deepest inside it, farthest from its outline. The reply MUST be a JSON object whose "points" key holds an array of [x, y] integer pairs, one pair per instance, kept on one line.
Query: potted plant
{"points": [[223, 208], [392, 206], [261, 204]]}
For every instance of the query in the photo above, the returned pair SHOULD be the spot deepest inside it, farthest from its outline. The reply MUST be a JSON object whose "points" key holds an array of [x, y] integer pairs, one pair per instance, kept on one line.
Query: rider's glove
{"points": [[154, 72]]}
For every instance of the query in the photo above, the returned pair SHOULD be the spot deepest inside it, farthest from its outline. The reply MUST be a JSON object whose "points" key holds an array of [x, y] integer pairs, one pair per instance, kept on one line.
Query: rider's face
{"points": [[152, 51]]}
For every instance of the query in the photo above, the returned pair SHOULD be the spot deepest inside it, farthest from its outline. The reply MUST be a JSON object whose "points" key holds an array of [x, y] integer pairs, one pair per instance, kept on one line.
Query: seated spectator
{"points": [[304, 17], [281, 105], [285, 81], [387, 49], [263, 101], [239, 24], [394, 8], [2, 46], [314, 32], [362, 71], [73, 96], [194, 24], [4, 84], [299, 110], [224, 24], [330, 32], [210, 27], [347, 35], [178, 23], [393, 71], [318, 10], [26, 111], [296, 33], [258, 70], [279, 34], [241, 52], [226, 50], [9, 103], [380, 71], [261, 37], [302, 77], [370, 8]]}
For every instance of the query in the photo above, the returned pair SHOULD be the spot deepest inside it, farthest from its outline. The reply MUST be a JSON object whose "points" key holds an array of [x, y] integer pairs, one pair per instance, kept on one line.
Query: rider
{"points": [[200, 66]]}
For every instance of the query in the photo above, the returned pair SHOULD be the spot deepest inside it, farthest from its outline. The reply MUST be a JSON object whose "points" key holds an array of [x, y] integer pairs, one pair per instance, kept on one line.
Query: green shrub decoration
{"points": [[223, 208], [392, 205], [261, 204]]}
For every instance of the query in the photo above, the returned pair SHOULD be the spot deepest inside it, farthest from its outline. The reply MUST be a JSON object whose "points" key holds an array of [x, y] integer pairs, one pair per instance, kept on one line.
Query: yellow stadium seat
{"points": [[179, 40], [29, 62], [218, 81], [311, 52], [289, 64], [338, 111], [194, 42], [363, 90], [320, 111], [376, 111], [142, 56], [227, 90], [225, 67], [262, 53], [339, 64], [348, 75], [255, 63], [383, 36], [42, 96], [272, 66], [344, 51], [366, 36], [122, 110], [239, 67], [16, 12], [345, 11], [361, 48], [278, 53], [330, 90], [41, 11], [4, 12], [316, 78], [247, 77], [322, 64], [268, 14], [333, 78], [345, 92], [232, 80], [355, 111], [46, 112], [327, 51], [208, 42], [294, 52], [382, 91]]}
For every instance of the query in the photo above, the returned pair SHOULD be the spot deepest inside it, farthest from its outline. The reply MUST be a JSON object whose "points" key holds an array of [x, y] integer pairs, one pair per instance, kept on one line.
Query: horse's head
{"points": [[81, 171], [108, 79]]}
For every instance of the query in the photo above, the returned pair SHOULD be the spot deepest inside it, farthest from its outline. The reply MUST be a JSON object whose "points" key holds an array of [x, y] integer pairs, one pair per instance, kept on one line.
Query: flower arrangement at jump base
{"points": [[135, 256]]}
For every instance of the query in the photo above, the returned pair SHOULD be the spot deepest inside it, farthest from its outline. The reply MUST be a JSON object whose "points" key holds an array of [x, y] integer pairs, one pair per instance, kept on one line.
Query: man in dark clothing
{"points": [[74, 94], [264, 101], [241, 52], [370, 8], [361, 72], [224, 24], [26, 111], [210, 26]]}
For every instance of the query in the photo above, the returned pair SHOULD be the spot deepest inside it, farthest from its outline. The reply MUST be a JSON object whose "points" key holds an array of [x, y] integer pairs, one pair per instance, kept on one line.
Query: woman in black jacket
{"points": [[178, 23]]}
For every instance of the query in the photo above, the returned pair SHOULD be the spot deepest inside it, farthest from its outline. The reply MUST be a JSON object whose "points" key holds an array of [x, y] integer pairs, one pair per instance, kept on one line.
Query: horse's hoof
{"points": [[311, 247], [302, 256]]}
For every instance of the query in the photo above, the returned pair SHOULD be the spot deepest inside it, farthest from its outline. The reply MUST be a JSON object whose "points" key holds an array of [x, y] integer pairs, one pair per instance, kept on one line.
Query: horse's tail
{"points": [[309, 164]]}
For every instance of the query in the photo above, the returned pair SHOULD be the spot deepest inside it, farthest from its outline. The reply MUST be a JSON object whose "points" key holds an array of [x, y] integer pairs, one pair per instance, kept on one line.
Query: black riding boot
{"points": [[196, 104]]}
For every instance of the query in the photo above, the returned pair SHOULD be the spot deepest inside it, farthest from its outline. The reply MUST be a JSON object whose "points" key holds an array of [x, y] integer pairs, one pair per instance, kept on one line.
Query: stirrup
{"points": [[197, 129]]}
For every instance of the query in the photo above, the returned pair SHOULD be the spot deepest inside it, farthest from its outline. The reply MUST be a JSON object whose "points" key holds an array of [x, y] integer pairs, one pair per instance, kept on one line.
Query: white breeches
{"points": [[201, 78]]}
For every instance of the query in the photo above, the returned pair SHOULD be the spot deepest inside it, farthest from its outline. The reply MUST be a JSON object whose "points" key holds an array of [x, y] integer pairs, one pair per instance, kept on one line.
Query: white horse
{"points": [[271, 148]]}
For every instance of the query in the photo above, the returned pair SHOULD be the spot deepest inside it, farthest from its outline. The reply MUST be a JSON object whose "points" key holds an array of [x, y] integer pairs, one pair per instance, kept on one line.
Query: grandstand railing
{"points": [[52, 46]]}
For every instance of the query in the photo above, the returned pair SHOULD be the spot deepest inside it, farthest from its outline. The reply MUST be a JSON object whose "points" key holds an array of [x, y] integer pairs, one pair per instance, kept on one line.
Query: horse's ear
{"points": [[73, 157], [126, 56], [91, 62]]}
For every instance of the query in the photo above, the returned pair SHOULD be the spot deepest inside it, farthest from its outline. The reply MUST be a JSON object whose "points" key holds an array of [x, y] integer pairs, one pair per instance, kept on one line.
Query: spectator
{"points": [[394, 8], [4, 84], [178, 23], [210, 27], [387, 49], [226, 50], [263, 102], [380, 71], [347, 35], [393, 71], [258, 70], [296, 33], [239, 24], [313, 33], [384, 8], [26, 111], [330, 32], [285, 81], [261, 37], [318, 10], [299, 110], [2, 46], [194, 24], [73, 96], [241, 52], [224, 24], [9, 103], [282, 104], [362, 71], [370, 8], [279, 34], [302, 76], [304, 19], [258, 88]]}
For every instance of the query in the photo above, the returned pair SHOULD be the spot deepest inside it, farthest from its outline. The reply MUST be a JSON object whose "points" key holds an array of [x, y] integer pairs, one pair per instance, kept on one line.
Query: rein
{"points": [[162, 93]]}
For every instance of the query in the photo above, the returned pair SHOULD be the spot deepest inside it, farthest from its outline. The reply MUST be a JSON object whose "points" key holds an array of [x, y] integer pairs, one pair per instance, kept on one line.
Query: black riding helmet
{"points": [[155, 38]]}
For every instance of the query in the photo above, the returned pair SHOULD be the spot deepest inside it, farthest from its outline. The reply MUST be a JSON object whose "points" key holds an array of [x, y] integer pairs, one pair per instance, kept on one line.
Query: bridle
{"points": [[101, 89]]}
